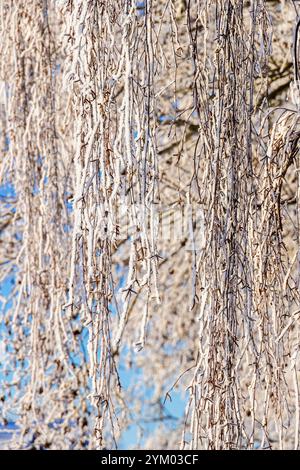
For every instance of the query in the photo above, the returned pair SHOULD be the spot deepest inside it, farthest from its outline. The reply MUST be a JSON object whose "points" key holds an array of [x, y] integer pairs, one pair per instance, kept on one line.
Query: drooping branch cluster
{"points": [[149, 223]]}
